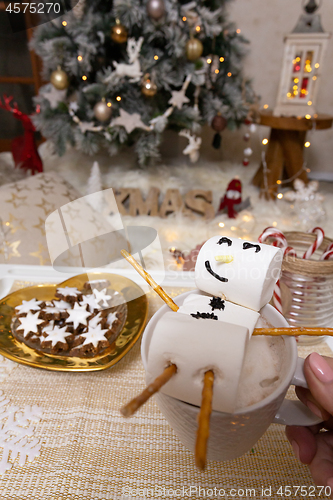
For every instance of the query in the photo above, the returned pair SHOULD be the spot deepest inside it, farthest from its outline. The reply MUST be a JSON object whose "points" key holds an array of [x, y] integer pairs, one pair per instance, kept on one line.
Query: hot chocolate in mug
{"points": [[232, 435]]}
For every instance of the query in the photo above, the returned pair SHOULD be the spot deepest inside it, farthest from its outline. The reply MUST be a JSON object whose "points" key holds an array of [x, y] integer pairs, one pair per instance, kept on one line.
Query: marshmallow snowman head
{"points": [[243, 272]]}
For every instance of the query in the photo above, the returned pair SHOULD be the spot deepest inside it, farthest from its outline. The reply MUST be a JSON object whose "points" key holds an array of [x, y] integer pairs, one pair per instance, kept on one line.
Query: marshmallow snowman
{"points": [[211, 331]]}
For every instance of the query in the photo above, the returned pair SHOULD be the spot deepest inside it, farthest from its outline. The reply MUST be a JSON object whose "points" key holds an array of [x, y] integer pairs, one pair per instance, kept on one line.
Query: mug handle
{"points": [[293, 412]]}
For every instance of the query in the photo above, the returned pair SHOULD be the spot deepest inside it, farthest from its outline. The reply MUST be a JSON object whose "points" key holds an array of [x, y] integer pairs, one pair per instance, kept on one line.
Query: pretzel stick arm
{"points": [[203, 420], [293, 331], [131, 407], [159, 290]]}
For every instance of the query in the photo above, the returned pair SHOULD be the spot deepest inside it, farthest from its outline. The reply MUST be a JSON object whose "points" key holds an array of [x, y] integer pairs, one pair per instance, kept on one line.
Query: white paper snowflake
{"points": [[17, 433], [304, 192]]}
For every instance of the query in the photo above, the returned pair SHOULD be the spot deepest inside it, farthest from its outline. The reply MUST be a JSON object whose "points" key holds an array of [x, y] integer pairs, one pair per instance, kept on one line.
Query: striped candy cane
{"points": [[277, 299], [278, 237], [279, 240], [328, 254], [316, 244]]}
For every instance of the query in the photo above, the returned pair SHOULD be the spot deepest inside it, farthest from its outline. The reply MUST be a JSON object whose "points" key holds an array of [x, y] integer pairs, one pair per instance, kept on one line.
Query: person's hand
{"points": [[314, 445]]}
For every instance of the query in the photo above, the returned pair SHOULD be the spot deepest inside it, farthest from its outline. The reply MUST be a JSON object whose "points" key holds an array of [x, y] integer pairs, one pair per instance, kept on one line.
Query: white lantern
{"points": [[303, 58]]}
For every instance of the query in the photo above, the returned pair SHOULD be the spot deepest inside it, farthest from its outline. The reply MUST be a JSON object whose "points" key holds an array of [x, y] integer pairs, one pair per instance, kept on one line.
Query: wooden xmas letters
{"points": [[197, 201]]}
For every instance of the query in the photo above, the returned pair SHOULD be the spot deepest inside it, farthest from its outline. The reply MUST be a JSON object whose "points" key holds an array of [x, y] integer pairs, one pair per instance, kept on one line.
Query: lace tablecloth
{"points": [[62, 438]]}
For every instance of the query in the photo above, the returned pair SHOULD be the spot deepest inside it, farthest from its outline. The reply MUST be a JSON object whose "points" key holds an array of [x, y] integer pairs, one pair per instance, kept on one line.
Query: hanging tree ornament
{"points": [[103, 110], [119, 32], [219, 123], [148, 86], [59, 79], [194, 49], [155, 9]]}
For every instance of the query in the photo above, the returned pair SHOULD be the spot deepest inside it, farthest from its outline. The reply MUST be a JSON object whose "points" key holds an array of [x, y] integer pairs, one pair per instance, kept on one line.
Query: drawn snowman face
{"points": [[244, 272]]}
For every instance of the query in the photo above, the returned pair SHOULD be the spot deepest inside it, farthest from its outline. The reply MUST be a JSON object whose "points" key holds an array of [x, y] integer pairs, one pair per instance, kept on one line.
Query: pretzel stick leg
{"points": [[131, 407], [203, 420], [159, 290], [293, 331]]}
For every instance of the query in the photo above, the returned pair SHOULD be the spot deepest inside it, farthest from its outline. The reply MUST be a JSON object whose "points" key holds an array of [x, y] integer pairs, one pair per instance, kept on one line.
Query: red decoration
{"points": [[248, 121], [232, 197], [24, 149], [246, 162], [186, 261]]}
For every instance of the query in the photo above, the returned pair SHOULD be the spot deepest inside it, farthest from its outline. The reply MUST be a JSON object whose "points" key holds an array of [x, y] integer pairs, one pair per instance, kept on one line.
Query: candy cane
{"points": [[316, 244], [277, 299], [328, 253], [271, 232]]}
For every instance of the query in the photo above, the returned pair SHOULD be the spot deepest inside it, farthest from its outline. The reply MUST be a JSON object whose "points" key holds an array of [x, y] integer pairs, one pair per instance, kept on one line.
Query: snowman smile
{"points": [[217, 276]]}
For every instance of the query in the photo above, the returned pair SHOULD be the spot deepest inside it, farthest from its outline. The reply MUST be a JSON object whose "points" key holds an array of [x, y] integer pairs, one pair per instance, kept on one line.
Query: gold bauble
{"points": [[59, 79], [194, 49], [102, 111], [119, 33], [148, 87]]}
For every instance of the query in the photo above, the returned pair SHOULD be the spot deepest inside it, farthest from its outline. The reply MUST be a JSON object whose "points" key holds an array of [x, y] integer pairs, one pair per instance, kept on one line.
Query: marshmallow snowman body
{"points": [[206, 306], [243, 272], [196, 346]]}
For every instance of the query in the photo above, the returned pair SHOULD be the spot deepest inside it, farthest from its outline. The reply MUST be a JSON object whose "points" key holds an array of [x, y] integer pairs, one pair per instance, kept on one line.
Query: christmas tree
{"points": [[122, 71]]}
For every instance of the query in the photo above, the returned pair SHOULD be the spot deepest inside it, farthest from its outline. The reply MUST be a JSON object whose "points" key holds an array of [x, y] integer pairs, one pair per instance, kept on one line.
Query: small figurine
{"points": [[232, 197]]}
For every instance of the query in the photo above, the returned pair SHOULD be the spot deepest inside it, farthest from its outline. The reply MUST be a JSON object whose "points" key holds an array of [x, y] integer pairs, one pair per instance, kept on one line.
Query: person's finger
{"points": [[310, 401], [318, 372], [303, 443], [321, 467]]}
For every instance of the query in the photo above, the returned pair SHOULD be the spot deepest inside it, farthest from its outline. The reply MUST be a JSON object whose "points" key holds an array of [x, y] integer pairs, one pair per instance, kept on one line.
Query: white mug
{"points": [[232, 435]]}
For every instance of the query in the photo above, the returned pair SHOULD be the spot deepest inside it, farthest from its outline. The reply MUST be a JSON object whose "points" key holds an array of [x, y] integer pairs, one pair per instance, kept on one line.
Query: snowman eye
{"points": [[226, 240], [248, 245]]}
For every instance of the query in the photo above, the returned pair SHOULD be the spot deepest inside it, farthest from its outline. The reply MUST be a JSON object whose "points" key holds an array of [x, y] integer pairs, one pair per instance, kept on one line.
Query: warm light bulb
{"points": [[238, 31], [118, 98], [209, 61], [307, 144], [278, 182], [156, 57], [79, 58], [109, 104], [314, 78], [280, 196], [217, 71], [296, 80], [309, 103], [229, 74], [197, 28], [317, 65], [84, 77], [233, 228], [221, 59], [274, 224], [308, 117], [297, 59], [221, 224], [64, 23], [266, 106], [264, 141], [184, 18]]}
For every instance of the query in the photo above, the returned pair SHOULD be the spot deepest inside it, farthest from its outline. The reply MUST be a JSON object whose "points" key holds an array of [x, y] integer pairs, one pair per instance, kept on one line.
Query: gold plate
{"points": [[137, 310]]}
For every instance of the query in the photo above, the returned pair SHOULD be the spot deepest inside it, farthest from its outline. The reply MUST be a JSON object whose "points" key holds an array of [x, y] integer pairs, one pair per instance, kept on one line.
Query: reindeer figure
{"points": [[24, 149], [133, 69], [192, 149]]}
